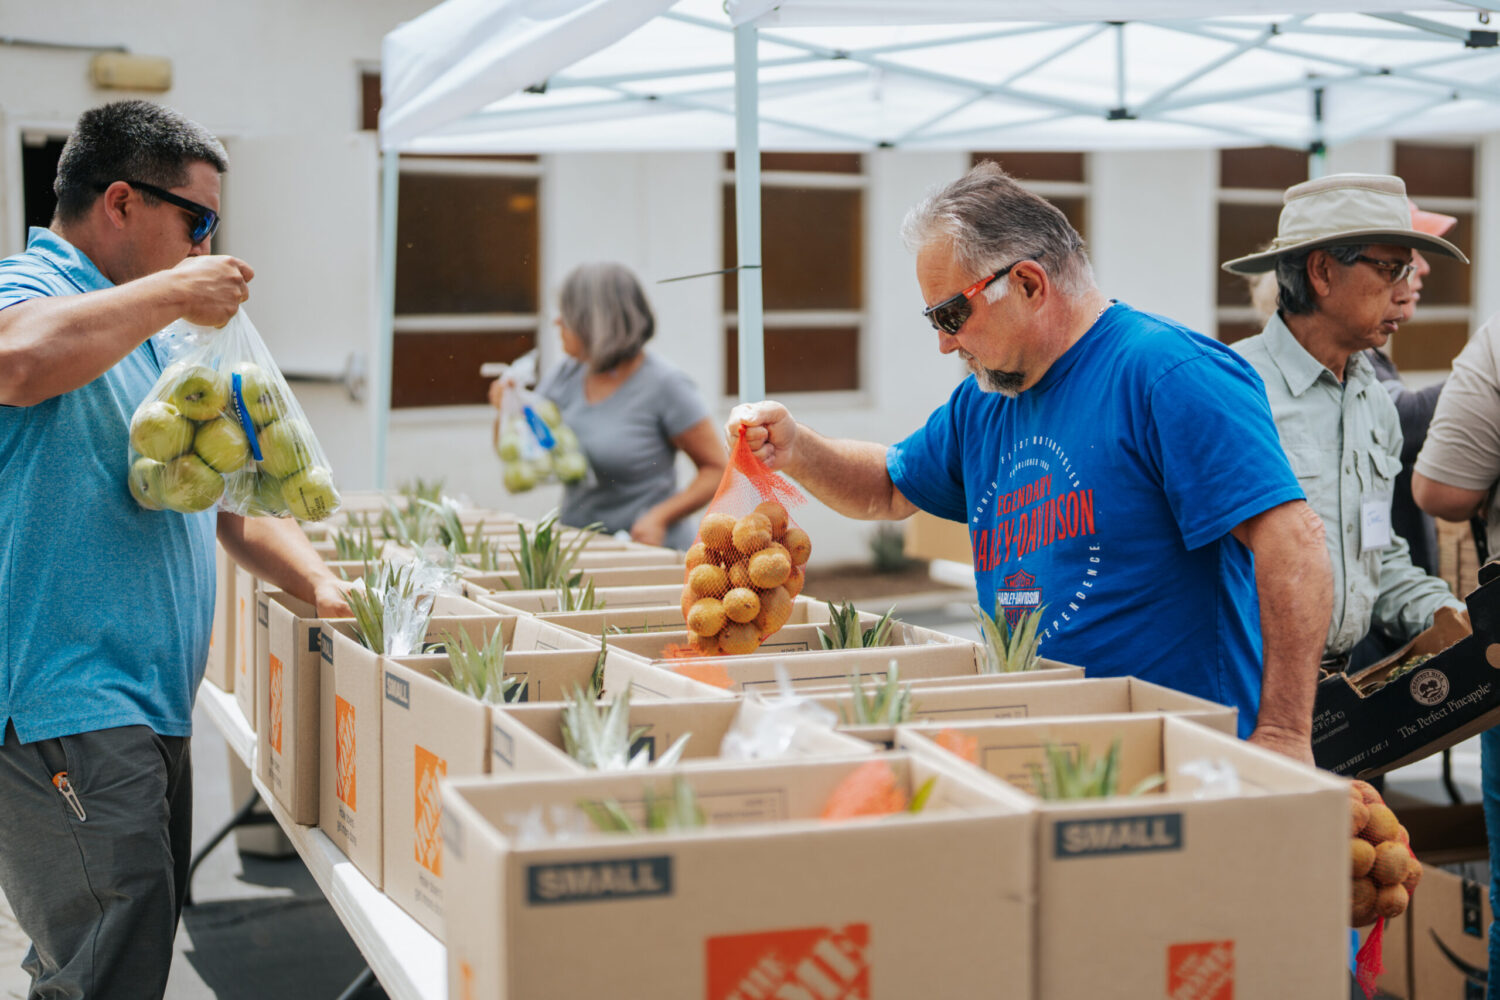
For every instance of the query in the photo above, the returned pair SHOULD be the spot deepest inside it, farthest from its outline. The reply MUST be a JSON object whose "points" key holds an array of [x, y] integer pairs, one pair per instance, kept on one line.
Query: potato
{"points": [[1390, 863], [775, 609], [776, 514], [769, 568], [688, 599], [1361, 857], [798, 544], [1359, 815], [708, 644], [708, 580], [1382, 825], [739, 573], [716, 531], [739, 638], [752, 533], [1390, 901], [696, 556], [794, 582], [1413, 874], [1367, 793], [742, 604], [706, 616], [1362, 903]]}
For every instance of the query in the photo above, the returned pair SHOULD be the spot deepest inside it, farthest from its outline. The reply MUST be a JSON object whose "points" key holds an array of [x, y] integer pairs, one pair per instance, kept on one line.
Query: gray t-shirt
{"points": [[628, 440]]}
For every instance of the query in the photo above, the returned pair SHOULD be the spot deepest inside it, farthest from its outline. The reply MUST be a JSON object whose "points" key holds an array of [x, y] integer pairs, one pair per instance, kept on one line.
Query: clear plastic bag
{"points": [[221, 427], [535, 446]]}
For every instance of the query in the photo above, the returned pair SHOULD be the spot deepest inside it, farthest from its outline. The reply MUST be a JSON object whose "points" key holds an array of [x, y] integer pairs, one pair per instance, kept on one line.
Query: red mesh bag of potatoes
{"points": [[1384, 870], [746, 565]]}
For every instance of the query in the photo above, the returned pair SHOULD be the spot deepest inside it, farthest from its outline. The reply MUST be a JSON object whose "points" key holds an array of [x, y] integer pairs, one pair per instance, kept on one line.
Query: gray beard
{"points": [[995, 379]]}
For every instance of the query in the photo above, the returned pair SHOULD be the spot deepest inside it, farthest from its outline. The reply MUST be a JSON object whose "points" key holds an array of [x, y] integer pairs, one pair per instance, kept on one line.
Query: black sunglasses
{"points": [[205, 219], [949, 315]]}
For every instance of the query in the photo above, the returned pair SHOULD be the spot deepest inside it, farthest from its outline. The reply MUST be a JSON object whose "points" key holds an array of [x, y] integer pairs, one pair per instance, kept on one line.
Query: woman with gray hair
{"points": [[632, 412]]}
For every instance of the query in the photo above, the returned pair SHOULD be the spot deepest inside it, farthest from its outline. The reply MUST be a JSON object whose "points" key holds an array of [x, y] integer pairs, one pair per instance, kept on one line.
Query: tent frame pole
{"points": [[390, 186], [751, 338]]}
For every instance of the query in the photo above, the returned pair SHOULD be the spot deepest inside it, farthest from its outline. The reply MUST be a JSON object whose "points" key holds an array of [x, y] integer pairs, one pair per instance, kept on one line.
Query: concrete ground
{"points": [[260, 928]]}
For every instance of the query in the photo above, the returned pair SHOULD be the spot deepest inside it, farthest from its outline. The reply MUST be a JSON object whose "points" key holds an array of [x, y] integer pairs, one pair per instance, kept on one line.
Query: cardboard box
{"points": [[1174, 895], [533, 602], [931, 537], [935, 707], [245, 590], [350, 692], [1440, 703], [668, 618], [287, 680], [501, 583], [537, 731], [769, 901], [1449, 921], [428, 729], [220, 668]]}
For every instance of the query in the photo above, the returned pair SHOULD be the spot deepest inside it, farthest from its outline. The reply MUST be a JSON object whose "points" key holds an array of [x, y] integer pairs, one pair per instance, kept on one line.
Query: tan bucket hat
{"points": [[1344, 208]]}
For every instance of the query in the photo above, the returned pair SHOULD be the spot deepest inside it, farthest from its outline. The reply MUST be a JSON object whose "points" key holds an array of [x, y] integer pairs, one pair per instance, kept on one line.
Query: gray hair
{"points": [[604, 305], [130, 141], [1294, 294], [989, 221]]}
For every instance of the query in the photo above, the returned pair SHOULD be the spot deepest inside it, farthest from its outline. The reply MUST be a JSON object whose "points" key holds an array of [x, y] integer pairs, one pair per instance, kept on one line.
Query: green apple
{"points": [[548, 411], [518, 476], [566, 439], [570, 466], [200, 393], [160, 431], [253, 493], [261, 393], [283, 447], [189, 485], [510, 446], [145, 482], [310, 494], [222, 444]]}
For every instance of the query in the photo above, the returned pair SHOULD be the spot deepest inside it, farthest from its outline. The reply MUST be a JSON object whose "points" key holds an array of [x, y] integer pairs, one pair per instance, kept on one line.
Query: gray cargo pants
{"points": [[98, 894]]}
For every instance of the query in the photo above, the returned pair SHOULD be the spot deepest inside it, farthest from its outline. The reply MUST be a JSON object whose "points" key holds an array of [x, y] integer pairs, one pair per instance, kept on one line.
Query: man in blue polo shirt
{"points": [[1112, 466], [106, 606]]}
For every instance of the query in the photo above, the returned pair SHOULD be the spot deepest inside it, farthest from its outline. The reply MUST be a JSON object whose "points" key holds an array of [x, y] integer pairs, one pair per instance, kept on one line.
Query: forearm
{"points": [[850, 477], [274, 549], [1408, 596], [50, 346], [1294, 582], [695, 495]]}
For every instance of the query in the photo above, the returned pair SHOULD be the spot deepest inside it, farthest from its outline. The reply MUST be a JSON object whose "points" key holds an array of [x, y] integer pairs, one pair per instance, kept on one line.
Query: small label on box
{"points": [[325, 642], [397, 691], [1118, 835], [806, 962], [595, 881], [315, 642]]}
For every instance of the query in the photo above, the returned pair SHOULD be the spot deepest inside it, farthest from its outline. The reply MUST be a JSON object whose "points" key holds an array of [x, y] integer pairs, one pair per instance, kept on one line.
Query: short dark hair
{"points": [[1294, 295], [989, 221], [129, 140]]}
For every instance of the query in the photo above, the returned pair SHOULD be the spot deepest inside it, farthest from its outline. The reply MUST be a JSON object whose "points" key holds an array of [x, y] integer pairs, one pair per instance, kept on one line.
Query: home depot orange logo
{"points": [[429, 813], [343, 751], [1201, 970], [274, 695], [816, 963]]}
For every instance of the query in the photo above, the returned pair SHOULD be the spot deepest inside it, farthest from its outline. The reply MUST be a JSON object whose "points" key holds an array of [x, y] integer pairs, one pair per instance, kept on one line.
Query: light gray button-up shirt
{"points": [[1344, 444]]}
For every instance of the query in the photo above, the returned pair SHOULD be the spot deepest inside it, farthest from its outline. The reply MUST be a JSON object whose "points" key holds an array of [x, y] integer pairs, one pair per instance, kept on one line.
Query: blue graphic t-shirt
{"points": [[105, 607], [1107, 492]]}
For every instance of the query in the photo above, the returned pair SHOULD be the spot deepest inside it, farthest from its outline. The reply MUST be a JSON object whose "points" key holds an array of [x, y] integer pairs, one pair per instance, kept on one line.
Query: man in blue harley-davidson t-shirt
{"points": [[1113, 467]]}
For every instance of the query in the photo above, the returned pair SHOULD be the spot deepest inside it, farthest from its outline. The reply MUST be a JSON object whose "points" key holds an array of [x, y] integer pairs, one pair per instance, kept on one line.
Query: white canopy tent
{"points": [[496, 76]]}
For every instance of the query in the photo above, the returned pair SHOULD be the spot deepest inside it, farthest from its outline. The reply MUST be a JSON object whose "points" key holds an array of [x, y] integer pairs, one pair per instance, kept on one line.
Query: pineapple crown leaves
{"points": [[1067, 776], [351, 545], [665, 814], [596, 679], [479, 670], [599, 737], [449, 529], [844, 631], [887, 704], [1009, 650], [545, 560], [571, 599], [392, 609]]}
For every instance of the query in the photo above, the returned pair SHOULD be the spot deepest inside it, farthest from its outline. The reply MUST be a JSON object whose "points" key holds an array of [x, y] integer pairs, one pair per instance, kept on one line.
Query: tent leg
{"points": [[390, 184], [752, 354]]}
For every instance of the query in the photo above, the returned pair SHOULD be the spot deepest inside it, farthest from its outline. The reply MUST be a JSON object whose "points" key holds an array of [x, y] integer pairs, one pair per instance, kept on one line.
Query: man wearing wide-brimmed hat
{"points": [[1343, 257]]}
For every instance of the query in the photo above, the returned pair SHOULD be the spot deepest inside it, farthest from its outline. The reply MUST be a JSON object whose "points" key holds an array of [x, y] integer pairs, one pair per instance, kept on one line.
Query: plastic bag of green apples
{"points": [[221, 428], [535, 446]]}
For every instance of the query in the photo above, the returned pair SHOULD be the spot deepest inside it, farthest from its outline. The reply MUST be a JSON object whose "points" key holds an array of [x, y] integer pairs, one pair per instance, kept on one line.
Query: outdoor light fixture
{"points": [[125, 71]]}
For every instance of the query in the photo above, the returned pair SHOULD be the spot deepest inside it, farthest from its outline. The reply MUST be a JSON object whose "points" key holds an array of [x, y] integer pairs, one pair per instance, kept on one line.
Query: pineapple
{"points": [[479, 671], [1078, 777], [889, 703], [844, 631], [666, 815], [545, 561], [600, 737], [1009, 650]]}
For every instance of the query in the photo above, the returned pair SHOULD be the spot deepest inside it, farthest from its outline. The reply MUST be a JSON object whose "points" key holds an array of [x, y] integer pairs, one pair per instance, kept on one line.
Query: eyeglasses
{"points": [[205, 220], [949, 315], [1395, 271]]}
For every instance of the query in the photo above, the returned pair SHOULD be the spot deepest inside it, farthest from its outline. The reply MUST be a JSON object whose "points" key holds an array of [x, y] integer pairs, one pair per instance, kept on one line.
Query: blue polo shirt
{"points": [[105, 607], [1106, 494]]}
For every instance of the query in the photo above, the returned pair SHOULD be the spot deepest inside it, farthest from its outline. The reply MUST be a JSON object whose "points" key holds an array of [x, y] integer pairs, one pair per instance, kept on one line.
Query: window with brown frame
{"points": [[1059, 177], [812, 278], [1439, 178], [1251, 183]]}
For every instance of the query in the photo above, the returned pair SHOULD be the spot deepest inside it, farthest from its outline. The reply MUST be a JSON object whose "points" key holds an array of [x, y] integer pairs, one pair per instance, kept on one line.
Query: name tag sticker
{"points": [[1374, 523]]}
